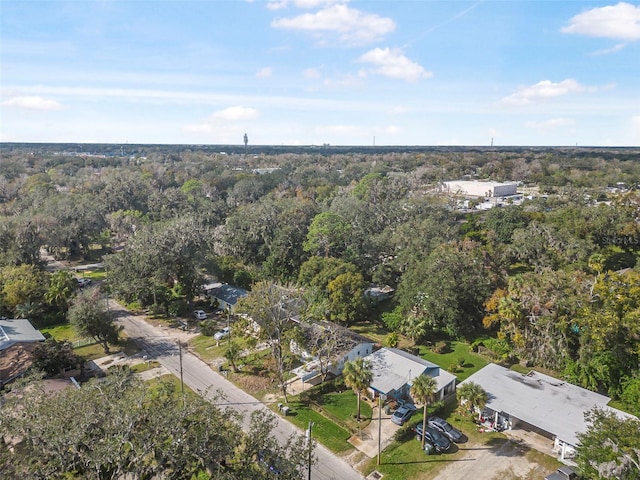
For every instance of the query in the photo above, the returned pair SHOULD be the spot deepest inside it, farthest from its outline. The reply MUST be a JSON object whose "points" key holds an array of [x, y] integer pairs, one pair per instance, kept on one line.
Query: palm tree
{"points": [[474, 394], [422, 390], [357, 375], [233, 354]]}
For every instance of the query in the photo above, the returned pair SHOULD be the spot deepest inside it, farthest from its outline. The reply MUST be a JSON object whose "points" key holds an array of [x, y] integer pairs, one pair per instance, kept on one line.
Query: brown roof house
{"points": [[18, 339]]}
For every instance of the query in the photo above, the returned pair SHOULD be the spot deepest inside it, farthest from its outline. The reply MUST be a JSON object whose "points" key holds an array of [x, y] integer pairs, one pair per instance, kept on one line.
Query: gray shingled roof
{"points": [[224, 291], [14, 331], [552, 405]]}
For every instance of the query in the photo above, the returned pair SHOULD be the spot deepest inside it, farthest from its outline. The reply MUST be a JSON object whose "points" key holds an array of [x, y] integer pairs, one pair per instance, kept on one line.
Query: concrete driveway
{"points": [[367, 440]]}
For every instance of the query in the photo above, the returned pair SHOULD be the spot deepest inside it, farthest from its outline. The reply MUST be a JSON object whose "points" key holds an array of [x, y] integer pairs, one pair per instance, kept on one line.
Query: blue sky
{"points": [[302, 72]]}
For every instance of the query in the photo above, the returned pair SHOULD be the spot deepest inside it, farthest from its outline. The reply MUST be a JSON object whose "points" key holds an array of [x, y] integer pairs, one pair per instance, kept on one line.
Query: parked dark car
{"points": [[403, 414], [433, 437], [445, 427], [563, 473]]}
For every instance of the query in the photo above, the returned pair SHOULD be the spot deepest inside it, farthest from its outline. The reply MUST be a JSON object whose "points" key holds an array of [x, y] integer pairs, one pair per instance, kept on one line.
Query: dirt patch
{"points": [[503, 461], [252, 384]]}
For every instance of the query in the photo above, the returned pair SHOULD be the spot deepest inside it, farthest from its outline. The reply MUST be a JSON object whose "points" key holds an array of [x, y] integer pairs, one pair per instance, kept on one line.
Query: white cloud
{"points": [[393, 63], [32, 103], [544, 90], [606, 51], [351, 26], [224, 120], [234, 114], [265, 72], [620, 22], [308, 4], [311, 73], [551, 124], [398, 110]]}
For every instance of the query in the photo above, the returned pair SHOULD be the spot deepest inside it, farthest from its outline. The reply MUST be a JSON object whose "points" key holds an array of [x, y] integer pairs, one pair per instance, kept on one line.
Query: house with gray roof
{"points": [[226, 295], [18, 339], [539, 403], [20, 330], [394, 370]]}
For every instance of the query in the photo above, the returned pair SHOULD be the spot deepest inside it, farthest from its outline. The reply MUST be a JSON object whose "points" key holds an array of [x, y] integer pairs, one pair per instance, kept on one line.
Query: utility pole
{"points": [[181, 379], [379, 425], [309, 442]]}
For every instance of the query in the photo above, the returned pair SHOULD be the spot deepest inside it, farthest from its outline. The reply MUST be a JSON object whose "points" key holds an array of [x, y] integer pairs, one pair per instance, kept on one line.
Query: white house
{"points": [[334, 346], [394, 371]]}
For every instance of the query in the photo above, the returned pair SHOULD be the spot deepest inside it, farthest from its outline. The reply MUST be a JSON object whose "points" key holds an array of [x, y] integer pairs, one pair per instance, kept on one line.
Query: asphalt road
{"points": [[202, 379]]}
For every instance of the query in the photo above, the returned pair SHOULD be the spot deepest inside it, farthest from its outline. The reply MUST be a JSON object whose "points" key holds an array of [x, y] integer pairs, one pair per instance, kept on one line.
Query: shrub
{"points": [[392, 340], [208, 327], [435, 408], [441, 347], [478, 342], [405, 432], [461, 361], [499, 347]]}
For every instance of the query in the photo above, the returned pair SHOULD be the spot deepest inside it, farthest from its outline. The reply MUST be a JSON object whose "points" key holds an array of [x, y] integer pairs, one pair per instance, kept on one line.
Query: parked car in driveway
{"points": [[445, 427], [200, 314], [403, 414], [220, 334], [434, 438], [84, 282]]}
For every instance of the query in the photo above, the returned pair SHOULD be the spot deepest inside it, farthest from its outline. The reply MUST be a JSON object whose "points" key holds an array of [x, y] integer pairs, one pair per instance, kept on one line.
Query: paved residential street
{"points": [[202, 379]]}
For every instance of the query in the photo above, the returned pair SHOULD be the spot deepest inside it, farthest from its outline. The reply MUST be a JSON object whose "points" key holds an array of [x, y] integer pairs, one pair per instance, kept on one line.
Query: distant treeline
{"points": [[114, 149]]}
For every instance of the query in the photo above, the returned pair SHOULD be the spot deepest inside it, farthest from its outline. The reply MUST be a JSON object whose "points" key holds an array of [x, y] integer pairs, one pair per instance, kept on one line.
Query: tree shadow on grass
{"points": [[432, 459]]}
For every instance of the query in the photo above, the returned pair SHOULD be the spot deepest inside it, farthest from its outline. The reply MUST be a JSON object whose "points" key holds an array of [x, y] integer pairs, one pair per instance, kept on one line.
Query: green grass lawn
{"points": [[158, 382], [457, 351], [324, 430], [209, 348], [343, 406], [91, 350], [95, 275], [63, 332], [378, 333], [144, 366]]}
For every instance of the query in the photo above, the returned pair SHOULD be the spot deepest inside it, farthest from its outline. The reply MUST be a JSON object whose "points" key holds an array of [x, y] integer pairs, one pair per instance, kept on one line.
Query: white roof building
{"points": [[548, 404], [480, 189]]}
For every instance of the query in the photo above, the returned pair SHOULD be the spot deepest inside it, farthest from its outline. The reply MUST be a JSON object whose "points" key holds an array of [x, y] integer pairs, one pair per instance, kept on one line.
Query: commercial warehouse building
{"points": [[472, 188]]}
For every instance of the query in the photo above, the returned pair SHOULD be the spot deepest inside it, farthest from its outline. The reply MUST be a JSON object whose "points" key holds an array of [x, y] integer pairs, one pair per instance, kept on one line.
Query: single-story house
{"points": [[18, 339], [394, 371], [224, 294], [539, 403], [334, 346]]}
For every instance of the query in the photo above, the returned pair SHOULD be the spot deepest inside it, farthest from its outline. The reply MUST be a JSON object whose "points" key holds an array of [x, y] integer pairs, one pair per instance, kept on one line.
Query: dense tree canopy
{"points": [[610, 448], [118, 427], [539, 275]]}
